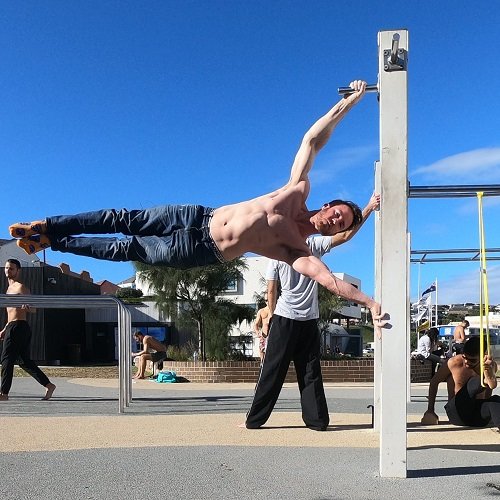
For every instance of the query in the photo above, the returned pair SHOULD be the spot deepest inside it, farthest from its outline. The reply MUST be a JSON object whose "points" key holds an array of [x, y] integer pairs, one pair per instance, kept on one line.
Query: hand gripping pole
{"points": [[345, 91]]}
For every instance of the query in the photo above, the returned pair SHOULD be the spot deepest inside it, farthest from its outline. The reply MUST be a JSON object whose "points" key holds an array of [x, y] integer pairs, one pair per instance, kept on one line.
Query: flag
{"points": [[431, 289], [423, 326], [423, 313]]}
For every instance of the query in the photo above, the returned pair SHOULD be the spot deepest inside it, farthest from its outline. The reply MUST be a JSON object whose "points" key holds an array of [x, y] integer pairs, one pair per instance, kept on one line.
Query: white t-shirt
{"points": [[425, 346], [299, 294]]}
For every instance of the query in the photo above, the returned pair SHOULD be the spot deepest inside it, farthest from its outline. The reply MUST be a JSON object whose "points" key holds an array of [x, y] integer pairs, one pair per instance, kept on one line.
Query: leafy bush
{"points": [[128, 293]]}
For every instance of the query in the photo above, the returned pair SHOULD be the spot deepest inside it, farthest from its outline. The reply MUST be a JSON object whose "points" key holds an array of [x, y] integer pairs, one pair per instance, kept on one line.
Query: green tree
{"points": [[192, 296], [329, 307]]}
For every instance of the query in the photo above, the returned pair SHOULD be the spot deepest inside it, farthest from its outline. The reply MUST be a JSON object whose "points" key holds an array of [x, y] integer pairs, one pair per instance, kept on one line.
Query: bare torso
{"points": [[151, 343], [262, 321], [16, 313], [273, 225], [460, 374], [459, 334]]}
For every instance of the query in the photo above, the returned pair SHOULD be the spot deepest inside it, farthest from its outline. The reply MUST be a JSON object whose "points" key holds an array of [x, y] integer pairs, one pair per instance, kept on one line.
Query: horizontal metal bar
{"points": [[450, 259], [60, 301], [455, 250], [348, 90], [458, 191]]}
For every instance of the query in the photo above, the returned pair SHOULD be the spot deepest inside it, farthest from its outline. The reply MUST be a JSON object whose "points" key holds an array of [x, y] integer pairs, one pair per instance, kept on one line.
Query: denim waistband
{"points": [[207, 217]]}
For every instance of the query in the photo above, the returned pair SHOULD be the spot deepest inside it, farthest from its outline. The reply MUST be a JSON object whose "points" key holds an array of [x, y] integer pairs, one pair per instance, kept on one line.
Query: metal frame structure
{"points": [[392, 251], [474, 257], [94, 302]]}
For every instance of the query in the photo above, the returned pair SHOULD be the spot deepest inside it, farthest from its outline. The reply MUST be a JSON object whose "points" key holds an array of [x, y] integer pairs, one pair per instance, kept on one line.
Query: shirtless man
{"points": [[469, 403], [16, 337], [459, 336], [148, 343], [294, 335], [261, 328], [274, 225]]}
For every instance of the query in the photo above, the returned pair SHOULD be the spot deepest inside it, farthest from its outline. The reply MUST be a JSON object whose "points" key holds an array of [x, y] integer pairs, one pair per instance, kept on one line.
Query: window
{"points": [[232, 286]]}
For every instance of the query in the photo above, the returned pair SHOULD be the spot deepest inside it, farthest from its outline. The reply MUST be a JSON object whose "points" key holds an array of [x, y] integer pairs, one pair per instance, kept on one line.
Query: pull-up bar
{"points": [[394, 48], [458, 191], [345, 91], [440, 255]]}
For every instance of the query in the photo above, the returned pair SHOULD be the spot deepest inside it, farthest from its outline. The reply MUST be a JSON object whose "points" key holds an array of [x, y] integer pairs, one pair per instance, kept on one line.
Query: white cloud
{"points": [[465, 167], [465, 288], [330, 166]]}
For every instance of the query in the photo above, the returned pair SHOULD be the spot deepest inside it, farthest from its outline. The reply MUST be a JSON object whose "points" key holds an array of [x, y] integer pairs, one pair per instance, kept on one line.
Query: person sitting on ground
{"points": [[469, 404], [459, 336], [148, 343], [275, 225]]}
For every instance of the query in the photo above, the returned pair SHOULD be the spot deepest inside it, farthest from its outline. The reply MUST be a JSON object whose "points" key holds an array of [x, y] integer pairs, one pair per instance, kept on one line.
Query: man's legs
{"points": [[173, 235], [465, 409], [17, 344], [308, 368], [151, 250], [490, 410], [156, 221], [280, 346], [141, 370], [9, 355], [28, 365]]}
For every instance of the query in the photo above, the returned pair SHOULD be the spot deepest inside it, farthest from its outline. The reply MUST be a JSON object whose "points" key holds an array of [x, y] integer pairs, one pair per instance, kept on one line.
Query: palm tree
{"points": [[193, 295]]}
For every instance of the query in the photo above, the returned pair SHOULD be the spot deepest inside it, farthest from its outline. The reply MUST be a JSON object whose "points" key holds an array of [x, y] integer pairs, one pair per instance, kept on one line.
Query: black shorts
{"points": [[158, 356]]}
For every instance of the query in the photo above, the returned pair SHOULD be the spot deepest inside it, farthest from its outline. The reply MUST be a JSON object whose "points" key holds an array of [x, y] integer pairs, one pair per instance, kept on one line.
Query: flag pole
{"points": [[436, 302]]}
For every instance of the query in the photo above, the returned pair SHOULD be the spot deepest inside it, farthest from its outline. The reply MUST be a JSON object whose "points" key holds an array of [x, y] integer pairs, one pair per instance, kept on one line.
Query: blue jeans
{"points": [[170, 235]]}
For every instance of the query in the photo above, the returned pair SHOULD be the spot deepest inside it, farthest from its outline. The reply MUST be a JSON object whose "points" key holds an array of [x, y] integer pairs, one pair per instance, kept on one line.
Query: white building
{"points": [[10, 250], [252, 284]]}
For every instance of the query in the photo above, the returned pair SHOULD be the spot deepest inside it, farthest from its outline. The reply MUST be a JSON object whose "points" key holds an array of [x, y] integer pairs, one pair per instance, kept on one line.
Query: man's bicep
{"points": [[302, 163]]}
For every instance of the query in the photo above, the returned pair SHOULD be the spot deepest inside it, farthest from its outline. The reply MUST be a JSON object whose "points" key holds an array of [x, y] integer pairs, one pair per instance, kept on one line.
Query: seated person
{"points": [[469, 404], [148, 343], [428, 348]]}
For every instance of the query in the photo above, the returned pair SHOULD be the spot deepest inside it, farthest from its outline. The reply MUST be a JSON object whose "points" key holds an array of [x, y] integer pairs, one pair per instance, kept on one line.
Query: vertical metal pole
{"points": [[392, 252], [377, 355], [121, 359], [128, 323], [408, 331]]}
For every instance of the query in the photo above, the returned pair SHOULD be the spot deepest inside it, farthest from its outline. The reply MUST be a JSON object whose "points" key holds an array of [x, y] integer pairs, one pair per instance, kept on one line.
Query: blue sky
{"points": [[136, 104]]}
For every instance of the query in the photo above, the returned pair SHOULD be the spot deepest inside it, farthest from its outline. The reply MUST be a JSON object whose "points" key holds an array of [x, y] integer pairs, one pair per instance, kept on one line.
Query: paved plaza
{"points": [[182, 441]]}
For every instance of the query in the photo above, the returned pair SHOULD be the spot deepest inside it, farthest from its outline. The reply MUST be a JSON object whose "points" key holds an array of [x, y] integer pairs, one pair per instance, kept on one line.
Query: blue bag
{"points": [[168, 376]]}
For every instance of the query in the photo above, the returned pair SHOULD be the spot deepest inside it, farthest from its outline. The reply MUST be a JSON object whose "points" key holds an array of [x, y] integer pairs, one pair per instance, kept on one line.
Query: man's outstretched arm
{"points": [[315, 269], [430, 417], [317, 136]]}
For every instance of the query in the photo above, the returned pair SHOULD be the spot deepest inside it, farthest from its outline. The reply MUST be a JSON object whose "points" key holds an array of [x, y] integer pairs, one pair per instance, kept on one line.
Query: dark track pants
{"points": [[16, 344], [298, 341], [465, 409]]}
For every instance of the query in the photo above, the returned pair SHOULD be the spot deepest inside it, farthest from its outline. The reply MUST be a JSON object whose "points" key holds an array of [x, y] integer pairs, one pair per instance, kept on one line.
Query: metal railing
{"points": [[91, 302], [455, 191]]}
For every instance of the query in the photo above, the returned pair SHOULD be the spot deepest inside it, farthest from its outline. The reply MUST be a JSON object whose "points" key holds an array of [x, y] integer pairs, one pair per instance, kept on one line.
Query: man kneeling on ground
{"points": [[148, 343], [469, 404]]}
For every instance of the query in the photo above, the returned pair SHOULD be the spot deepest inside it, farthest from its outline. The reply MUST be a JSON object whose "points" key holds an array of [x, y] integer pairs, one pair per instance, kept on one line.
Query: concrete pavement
{"points": [[183, 441]]}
